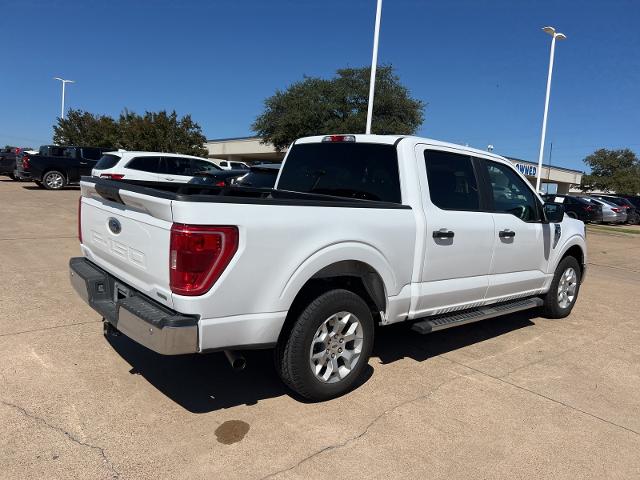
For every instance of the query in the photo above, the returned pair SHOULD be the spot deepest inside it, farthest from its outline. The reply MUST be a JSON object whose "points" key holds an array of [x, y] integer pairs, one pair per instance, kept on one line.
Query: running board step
{"points": [[441, 322]]}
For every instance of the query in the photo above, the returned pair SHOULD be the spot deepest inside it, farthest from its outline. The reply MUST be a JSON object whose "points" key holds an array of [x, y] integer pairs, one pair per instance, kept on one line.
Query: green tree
{"points": [[612, 171], [153, 131], [84, 128], [316, 106], [161, 132]]}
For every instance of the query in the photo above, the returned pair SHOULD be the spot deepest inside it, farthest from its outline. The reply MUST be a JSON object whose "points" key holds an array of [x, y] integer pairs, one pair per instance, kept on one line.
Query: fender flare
{"points": [[572, 241], [335, 253]]}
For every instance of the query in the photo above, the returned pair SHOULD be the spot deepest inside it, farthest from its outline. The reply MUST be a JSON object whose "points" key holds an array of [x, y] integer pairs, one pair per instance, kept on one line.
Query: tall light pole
{"points": [[559, 36], [374, 64], [64, 82]]}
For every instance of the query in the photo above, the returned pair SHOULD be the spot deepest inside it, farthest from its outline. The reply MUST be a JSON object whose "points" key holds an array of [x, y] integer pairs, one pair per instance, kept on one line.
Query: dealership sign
{"points": [[527, 170]]}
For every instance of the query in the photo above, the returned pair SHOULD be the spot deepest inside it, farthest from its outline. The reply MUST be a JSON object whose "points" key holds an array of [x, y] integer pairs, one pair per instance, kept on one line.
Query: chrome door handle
{"points": [[506, 233], [443, 233]]}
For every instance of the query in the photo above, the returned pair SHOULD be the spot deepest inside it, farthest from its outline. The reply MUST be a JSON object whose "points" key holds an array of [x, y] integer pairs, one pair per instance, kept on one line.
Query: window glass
{"points": [[204, 166], [51, 151], [238, 166], [364, 171], [511, 194], [145, 164], [176, 166], [107, 161], [69, 152], [452, 181], [224, 164]]}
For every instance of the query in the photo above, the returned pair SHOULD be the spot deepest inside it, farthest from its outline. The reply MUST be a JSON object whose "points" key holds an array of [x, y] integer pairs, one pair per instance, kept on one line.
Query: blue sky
{"points": [[480, 65]]}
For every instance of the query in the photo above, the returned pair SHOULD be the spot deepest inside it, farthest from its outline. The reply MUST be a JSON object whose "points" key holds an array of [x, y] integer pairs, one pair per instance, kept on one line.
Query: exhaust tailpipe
{"points": [[236, 360]]}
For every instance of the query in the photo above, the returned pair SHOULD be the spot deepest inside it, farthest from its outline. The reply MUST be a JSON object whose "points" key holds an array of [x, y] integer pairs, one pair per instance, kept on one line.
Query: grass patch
{"points": [[604, 228]]}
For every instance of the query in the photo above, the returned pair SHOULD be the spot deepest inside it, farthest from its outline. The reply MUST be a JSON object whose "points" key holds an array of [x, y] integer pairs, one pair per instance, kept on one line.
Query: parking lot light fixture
{"points": [[374, 64], [554, 36], [64, 82]]}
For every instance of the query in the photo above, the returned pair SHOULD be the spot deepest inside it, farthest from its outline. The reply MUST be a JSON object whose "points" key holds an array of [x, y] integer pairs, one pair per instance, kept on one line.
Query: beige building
{"points": [[251, 150]]}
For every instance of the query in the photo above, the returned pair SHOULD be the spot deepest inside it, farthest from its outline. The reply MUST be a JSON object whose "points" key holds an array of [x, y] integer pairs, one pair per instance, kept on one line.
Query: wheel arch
{"points": [[365, 273], [574, 249]]}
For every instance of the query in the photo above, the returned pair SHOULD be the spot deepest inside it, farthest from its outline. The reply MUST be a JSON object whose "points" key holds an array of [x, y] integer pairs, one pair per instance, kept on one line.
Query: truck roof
{"points": [[394, 139]]}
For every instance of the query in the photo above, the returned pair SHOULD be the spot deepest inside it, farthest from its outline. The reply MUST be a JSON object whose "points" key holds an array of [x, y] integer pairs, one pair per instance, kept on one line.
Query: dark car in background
{"points": [[8, 157], [633, 215], [578, 207], [260, 176], [54, 167]]}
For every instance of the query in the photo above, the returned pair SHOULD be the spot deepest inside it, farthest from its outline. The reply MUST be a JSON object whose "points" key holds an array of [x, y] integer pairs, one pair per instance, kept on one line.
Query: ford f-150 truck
{"points": [[359, 230]]}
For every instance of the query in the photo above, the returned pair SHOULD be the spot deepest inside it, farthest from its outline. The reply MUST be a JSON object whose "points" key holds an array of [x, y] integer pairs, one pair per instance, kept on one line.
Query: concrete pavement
{"points": [[515, 397]]}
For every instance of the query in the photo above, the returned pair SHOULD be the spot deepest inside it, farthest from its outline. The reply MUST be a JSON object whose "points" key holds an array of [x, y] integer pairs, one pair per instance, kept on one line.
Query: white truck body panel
{"points": [[282, 246]]}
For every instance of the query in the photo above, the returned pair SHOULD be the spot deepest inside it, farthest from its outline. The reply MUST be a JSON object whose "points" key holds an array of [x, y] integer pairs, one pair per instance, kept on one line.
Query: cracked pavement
{"points": [[514, 397]]}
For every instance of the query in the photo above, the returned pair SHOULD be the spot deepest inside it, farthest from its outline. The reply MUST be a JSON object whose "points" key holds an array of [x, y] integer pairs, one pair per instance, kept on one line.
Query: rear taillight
{"points": [[587, 208], [220, 183], [617, 210], [198, 254], [112, 176], [80, 219], [26, 164]]}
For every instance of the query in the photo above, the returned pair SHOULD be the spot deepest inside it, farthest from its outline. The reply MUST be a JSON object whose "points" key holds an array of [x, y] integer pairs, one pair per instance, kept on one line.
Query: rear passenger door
{"points": [[459, 234], [175, 169], [522, 239]]}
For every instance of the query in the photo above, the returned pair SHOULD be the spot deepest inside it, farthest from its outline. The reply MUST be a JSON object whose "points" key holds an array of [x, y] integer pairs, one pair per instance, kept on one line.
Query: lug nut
{"points": [[339, 350], [333, 355], [341, 340]]}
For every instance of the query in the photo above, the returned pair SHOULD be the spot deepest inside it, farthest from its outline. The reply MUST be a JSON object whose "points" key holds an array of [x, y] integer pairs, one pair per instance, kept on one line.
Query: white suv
{"points": [[151, 166]]}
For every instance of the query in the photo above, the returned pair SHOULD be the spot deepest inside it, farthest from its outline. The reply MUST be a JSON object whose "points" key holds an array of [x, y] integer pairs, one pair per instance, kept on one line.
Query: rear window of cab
{"points": [[107, 161], [365, 171]]}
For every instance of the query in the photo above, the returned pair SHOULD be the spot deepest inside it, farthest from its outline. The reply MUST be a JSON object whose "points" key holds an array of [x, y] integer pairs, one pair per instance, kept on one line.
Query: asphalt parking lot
{"points": [[514, 397]]}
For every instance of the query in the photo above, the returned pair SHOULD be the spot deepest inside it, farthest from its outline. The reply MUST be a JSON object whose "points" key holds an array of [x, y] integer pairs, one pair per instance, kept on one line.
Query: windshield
{"points": [[364, 171]]}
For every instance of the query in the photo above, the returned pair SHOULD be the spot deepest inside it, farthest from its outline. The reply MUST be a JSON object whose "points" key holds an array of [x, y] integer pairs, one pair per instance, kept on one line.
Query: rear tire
{"points": [[563, 293], [54, 180], [328, 347]]}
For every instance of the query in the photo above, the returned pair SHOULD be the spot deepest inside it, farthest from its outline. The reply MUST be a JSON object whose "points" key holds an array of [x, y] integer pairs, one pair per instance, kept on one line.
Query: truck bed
{"points": [[191, 192]]}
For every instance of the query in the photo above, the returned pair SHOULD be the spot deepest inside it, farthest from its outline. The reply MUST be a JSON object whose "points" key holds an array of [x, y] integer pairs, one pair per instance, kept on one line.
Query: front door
{"points": [[459, 236], [522, 239]]}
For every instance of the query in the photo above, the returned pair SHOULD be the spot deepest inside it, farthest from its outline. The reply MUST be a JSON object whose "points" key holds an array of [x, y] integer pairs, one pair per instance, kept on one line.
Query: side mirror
{"points": [[554, 212]]}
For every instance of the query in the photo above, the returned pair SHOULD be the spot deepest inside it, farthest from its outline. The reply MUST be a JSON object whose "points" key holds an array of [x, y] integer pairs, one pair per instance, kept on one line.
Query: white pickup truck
{"points": [[359, 230]]}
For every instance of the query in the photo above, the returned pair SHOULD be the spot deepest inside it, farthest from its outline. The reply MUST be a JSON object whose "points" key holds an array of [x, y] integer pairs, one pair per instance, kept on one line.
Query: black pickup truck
{"points": [[55, 167]]}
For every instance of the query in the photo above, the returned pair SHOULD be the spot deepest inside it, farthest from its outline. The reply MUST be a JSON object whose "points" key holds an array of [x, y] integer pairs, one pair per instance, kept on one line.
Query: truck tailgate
{"points": [[128, 236]]}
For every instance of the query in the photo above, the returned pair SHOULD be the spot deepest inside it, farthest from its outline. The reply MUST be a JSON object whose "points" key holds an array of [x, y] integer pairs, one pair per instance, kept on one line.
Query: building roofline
{"points": [[230, 139], [519, 160]]}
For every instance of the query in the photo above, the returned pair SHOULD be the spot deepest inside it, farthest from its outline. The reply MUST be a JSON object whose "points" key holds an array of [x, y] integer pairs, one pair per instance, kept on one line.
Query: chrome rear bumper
{"points": [[136, 316]]}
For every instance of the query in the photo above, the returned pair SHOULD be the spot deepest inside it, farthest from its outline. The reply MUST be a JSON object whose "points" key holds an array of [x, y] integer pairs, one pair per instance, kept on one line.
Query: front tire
{"points": [[54, 180], [563, 293], [328, 347]]}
